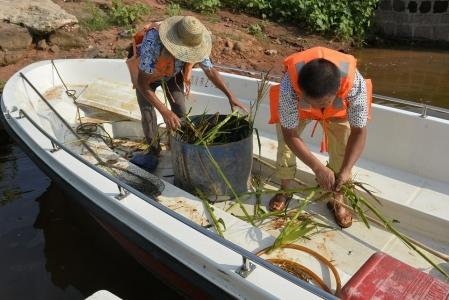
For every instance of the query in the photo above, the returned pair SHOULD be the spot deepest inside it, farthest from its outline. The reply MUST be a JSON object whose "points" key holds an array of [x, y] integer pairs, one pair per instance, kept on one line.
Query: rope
{"points": [[156, 182], [69, 92], [301, 271], [92, 129]]}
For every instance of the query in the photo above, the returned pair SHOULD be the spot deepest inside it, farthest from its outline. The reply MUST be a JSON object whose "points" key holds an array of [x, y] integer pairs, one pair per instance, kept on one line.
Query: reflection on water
{"points": [[51, 249], [420, 76]]}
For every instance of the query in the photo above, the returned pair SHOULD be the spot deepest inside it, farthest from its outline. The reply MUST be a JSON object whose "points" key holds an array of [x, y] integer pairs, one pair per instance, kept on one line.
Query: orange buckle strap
{"points": [[324, 143], [314, 127]]}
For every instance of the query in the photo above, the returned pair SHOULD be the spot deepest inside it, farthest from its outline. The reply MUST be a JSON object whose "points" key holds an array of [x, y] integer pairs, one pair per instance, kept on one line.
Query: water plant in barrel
{"points": [[208, 146], [215, 129]]}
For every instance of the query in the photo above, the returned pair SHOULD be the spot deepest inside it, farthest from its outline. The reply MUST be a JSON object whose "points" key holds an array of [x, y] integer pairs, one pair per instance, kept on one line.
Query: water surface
{"points": [[410, 74], [51, 249]]}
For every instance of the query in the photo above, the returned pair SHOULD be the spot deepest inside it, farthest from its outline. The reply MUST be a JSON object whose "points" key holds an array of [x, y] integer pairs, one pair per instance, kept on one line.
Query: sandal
{"points": [[279, 202], [333, 207]]}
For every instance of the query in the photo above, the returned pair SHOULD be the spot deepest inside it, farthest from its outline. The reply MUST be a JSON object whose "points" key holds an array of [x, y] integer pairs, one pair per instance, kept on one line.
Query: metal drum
{"points": [[194, 170]]}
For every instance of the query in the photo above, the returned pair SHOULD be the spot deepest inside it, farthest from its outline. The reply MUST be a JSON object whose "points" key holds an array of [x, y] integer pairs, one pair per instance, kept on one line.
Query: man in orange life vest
{"points": [[323, 85], [167, 53]]}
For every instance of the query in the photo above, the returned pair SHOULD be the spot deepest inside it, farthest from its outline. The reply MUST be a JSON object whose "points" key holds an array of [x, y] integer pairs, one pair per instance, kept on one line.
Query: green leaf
{"points": [[222, 223]]}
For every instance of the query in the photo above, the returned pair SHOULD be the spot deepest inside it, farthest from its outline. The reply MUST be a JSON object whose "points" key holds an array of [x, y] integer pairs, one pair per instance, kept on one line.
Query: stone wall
{"points": [[415, 19]]}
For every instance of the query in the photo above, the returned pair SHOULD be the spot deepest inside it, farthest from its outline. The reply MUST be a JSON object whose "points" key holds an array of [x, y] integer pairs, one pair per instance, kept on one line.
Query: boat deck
{"points": [[348, 248], [416, 197], [418, 203]]}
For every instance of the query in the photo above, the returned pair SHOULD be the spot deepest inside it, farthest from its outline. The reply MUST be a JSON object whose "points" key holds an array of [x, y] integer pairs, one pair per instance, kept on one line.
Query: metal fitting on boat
{"points": [[246, 268]]}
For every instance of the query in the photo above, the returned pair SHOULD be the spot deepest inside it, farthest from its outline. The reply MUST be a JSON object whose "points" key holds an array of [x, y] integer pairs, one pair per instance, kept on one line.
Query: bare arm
{"points": [[354, 148], [217, 80], [324, 175], [358, 117], [143, 80]]}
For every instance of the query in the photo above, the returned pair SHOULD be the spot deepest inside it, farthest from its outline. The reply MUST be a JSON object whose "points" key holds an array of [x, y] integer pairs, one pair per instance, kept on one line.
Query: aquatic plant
{"points": [[216, 129], [217, 223], [359, 203], [300, 227]]}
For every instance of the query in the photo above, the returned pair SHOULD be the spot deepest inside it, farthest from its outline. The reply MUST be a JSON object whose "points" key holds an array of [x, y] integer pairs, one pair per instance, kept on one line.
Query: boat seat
{"points": [[115, 97]]}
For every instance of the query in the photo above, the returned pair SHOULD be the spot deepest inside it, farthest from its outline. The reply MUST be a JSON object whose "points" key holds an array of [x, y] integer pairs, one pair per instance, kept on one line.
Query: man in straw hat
{"points": [[167, 53]]}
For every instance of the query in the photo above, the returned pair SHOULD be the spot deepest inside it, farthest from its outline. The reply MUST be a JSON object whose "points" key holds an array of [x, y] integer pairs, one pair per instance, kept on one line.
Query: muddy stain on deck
{"points": [[183, 207], [54, 93]]}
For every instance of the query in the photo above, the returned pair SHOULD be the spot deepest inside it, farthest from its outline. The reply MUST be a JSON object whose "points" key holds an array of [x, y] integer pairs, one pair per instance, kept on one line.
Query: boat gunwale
{"points": [[185, 221], [100, 215]]}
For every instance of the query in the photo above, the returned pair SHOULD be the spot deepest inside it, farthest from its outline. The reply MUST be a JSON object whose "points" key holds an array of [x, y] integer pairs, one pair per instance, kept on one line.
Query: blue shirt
{"points": [[149, 53]]}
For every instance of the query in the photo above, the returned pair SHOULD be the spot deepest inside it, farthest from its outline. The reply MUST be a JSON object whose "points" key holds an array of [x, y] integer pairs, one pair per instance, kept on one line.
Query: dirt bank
{"points": [[235, 42]]}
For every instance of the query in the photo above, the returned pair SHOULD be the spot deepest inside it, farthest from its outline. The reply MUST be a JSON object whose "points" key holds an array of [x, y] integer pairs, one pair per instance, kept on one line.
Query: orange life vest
{"points": [[165, 64], [338, 110]]}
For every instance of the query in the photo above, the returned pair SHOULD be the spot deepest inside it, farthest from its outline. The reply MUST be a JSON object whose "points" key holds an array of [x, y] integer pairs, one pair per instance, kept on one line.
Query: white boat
{"points": [[405, 159]]}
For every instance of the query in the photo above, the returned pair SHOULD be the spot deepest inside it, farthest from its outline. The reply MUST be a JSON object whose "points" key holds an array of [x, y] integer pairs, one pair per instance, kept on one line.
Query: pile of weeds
{"points": [[214, 129]]}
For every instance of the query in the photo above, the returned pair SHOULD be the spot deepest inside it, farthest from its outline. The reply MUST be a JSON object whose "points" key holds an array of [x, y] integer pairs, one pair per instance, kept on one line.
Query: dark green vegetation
{"points": [[348, 20], [119, 14]]}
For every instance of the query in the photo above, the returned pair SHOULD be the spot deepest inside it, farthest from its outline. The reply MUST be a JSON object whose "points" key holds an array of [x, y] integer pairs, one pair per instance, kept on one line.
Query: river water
{"points": [[418, 76], [50, 249]]}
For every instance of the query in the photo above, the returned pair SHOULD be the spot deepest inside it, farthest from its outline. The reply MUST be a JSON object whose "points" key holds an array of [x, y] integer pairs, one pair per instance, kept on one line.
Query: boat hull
{"points": [[164, 266]]}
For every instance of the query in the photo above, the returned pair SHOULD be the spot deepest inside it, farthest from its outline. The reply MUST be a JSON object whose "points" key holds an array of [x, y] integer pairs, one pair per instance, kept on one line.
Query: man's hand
{"points": [[234, 102], [171, 119], [341, 179], [216, 79], [325, 178]]}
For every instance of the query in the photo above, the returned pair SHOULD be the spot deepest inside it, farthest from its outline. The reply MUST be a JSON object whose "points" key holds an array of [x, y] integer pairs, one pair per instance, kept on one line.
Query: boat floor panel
{"points": [[428, 196], [348, 248]]}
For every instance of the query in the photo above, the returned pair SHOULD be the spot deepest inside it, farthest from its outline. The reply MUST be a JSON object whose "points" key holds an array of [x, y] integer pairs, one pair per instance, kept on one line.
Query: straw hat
{"points": [[186, 38]]}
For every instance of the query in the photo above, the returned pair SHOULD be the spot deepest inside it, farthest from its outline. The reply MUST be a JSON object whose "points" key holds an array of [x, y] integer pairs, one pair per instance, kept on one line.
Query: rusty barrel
{"points": [[194, 170]]}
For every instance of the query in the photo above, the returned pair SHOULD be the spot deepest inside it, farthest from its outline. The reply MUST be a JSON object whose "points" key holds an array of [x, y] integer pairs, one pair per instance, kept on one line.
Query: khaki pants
{"points": [[338, 134]]}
